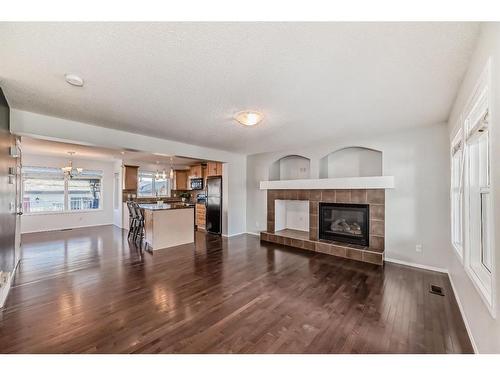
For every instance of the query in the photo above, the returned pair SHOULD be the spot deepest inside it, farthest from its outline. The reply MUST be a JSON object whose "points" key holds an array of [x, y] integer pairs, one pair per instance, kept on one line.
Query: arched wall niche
{"points": [[290, 167], [351, 162]]}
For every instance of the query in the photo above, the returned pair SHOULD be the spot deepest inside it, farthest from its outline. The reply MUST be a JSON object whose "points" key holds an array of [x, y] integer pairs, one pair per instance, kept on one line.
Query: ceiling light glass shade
{"points": [[248, 118], [164, 174], [171, 173]]}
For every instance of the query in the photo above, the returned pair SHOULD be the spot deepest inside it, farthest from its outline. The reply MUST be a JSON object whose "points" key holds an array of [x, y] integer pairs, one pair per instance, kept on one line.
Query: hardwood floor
{"points": [[89, 291]]}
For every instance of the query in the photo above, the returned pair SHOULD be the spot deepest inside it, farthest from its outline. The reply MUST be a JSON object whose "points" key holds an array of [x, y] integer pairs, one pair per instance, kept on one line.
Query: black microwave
{"points": [[197, 184]]}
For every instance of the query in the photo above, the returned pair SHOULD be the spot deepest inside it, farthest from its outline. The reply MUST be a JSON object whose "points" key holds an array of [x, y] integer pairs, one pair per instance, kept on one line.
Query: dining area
{"points": [[161, 225]]}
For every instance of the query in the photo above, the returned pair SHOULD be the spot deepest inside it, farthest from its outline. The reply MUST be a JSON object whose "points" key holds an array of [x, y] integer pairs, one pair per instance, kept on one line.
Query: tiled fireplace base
{"points": [[301, 241], [375, 198]]}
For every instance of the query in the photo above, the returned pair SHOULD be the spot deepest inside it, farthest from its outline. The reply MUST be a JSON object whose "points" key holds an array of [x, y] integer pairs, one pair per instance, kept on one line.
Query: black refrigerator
{"points": [[214, 205]]}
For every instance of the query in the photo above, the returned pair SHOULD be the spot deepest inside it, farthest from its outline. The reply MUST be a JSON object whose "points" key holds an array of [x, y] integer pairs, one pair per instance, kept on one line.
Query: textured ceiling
{"points": [[184, 81], [40, 147]]}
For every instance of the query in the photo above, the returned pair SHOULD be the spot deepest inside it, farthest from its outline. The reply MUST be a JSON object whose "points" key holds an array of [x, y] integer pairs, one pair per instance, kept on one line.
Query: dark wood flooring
{"points": [[90, 291]]}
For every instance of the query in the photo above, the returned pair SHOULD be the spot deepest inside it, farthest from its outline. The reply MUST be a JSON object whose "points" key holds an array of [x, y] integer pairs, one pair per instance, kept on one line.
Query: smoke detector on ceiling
{"points": [[74, 80]]}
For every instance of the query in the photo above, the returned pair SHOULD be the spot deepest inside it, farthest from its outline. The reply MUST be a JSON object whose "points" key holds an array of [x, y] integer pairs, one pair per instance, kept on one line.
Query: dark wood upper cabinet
{"points": [[130, 177], [181, 180], [195, 171], [214, 169]]}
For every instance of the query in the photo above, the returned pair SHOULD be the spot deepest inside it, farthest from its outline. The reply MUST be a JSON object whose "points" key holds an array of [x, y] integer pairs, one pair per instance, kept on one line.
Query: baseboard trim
{"points": [[239, 234], [416, 265], [4, 294], [66, 228], [4, 291], [464, 318]]}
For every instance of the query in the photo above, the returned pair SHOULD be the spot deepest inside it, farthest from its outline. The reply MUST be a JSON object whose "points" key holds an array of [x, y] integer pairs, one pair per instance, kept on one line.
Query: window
{"points": [[84, 192], [49, 190], [145, 188], [150, 185], [457, 154], [161, 187], [479, 204], [43, 190], [477, 193]]}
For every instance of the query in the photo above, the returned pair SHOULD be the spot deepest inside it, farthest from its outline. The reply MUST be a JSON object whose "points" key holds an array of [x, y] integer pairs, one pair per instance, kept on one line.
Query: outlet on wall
{"points": [[418, 248]]}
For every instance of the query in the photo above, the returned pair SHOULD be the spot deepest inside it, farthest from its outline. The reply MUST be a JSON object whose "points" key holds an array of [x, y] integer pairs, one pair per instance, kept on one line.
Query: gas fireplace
{"points": [[344, 222]]}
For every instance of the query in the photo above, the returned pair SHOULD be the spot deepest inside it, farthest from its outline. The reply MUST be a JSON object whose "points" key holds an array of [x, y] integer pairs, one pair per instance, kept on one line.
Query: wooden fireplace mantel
{"points": [[375, 182]]}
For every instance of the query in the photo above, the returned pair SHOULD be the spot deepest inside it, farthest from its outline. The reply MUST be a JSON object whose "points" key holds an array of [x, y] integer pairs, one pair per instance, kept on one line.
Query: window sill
{"points": [[458, 252], [62, 212], [485, 293]]}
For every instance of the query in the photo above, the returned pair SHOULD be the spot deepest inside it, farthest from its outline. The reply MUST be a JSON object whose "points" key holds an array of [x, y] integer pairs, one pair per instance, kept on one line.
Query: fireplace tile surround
{"points": [[375, 198]]}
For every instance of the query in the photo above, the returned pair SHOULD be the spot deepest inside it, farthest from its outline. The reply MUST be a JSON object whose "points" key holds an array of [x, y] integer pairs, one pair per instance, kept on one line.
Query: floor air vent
{"points": [[64, 230], [434, 289]]}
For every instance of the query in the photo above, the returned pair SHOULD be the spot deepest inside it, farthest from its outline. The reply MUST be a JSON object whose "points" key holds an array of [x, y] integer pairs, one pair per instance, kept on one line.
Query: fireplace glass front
{"points": [[343, 222]]}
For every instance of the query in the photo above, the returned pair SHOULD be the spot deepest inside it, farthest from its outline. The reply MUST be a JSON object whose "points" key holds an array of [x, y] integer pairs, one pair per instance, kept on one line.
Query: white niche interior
{"points": [[291, 214], [351, 162], [291, 167]]}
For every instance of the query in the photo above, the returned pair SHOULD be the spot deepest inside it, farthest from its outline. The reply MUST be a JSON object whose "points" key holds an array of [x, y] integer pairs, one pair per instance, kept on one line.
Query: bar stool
{"points": [[132, 218]]}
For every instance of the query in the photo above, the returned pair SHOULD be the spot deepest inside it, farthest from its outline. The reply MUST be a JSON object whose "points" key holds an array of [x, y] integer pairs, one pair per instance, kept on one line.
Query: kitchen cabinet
{"points": [[214, 169], [130, 177], [195, 171], [181, 180], [200, 215]]}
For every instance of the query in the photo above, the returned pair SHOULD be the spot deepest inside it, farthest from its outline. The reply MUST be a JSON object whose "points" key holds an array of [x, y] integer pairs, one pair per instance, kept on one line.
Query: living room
{"points": [[249, 187]]}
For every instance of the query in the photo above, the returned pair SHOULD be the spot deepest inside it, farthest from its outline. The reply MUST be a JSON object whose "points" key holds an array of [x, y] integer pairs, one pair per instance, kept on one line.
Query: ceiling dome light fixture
{"points": [[248, 118], [74, 80]]}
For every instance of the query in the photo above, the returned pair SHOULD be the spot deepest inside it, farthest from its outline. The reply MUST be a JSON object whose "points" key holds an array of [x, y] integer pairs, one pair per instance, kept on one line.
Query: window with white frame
{"points": [[457, 154], [478, 202], [49, 190], [152, 184]]}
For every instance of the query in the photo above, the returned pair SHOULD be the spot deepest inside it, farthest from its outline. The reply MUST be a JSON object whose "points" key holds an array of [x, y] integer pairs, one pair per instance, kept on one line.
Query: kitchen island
{"points": [[167, 225]]}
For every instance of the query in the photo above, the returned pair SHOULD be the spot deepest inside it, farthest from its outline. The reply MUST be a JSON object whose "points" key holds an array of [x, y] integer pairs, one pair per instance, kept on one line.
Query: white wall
{"points": [[117, 193], [417, 210], [485, 330], [234, 169], [38, 222]]}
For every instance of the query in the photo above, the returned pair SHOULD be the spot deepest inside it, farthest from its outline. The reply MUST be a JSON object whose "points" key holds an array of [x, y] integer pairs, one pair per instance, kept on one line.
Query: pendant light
{"points": [[157, 175], [171, 169], [69, 170]]}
